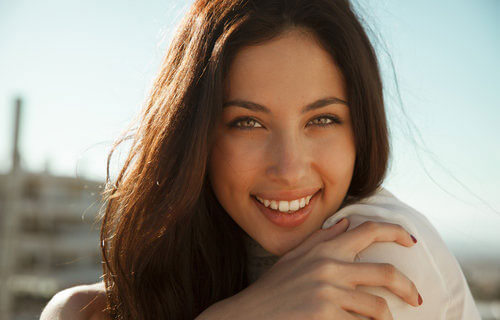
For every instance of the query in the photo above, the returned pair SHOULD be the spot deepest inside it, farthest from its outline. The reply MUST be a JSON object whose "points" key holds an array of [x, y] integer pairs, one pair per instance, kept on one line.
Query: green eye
{"points": [[248, 123], [244, 123], [327, 120]]}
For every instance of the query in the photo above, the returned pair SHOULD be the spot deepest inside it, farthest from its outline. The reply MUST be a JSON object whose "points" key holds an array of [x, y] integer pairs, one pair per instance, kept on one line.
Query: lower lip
{"points": [[287, 220]]}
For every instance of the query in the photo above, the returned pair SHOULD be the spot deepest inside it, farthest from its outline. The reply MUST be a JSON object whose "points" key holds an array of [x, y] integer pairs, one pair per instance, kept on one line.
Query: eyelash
{"points": [[334, 121]]}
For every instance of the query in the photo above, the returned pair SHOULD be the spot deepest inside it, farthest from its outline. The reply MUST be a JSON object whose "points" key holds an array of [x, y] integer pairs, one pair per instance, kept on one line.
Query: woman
{"points": [[265, 124]]}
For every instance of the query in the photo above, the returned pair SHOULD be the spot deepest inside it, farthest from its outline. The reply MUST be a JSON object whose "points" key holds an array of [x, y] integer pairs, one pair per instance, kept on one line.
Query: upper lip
{"points": [[287, 195]]}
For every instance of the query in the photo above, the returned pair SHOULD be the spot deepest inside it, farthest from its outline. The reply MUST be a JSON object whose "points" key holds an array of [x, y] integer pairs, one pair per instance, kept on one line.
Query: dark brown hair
{"points": [[169, 248]]}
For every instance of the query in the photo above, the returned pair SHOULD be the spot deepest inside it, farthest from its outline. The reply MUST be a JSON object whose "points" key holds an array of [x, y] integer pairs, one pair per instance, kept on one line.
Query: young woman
{"points": [[265, 126]]}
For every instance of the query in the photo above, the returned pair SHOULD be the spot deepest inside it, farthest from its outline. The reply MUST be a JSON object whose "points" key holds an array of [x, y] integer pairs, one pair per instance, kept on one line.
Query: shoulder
{"points": [[383, 206], [83, 302], [429, 263]]}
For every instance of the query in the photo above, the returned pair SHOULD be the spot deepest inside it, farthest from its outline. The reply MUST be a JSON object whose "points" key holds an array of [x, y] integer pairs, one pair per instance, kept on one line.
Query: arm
{"points": [[429, 264]]}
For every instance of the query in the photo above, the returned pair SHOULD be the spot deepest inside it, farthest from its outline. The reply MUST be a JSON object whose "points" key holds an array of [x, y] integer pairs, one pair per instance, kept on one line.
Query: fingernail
{"points": [[413, 238], [339, 221], [420, 300]]}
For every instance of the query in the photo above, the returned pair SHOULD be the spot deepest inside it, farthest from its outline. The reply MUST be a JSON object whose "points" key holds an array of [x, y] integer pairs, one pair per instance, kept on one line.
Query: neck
{"points": [[259, 259]]}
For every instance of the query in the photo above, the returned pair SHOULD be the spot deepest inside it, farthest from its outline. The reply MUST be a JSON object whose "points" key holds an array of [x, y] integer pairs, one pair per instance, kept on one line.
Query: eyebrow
{"points": [[260, 108]]}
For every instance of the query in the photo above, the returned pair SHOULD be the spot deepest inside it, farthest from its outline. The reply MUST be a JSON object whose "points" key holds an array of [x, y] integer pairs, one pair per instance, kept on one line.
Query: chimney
{"points": [[16, 157]]}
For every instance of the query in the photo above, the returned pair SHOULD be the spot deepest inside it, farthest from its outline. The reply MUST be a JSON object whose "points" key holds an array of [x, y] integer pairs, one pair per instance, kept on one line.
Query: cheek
{"points": [[239, 156], [232, 172], [233, 166], [335, 157]]}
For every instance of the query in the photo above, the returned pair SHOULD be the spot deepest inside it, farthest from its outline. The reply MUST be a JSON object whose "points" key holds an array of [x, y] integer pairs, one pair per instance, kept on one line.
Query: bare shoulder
{"points": [[83, 302]]}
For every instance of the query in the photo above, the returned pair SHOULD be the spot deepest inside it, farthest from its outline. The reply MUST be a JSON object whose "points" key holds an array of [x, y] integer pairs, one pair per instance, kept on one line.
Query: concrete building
{"points": [[49, 235]]}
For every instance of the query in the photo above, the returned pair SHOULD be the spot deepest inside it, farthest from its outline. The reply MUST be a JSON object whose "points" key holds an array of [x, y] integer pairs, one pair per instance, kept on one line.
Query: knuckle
{"points": [[388, 272], [316, 249], [321, 303], [323, 292], [323, 269], [322, 249], [380, 305], [322, 310], [350, 282], [370, 225]]}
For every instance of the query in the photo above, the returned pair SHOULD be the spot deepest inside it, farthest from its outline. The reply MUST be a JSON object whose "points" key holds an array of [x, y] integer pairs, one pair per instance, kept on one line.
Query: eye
{"points": [[326, 120], [244, 123], [248, 123]]}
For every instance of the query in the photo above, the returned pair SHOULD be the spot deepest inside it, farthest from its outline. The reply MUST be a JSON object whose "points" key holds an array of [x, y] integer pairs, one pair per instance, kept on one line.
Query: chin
{"points": [[279, 249]]}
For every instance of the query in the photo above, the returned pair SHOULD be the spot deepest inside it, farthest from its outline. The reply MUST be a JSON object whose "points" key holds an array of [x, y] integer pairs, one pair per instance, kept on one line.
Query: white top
{"points": [[429, 263]]}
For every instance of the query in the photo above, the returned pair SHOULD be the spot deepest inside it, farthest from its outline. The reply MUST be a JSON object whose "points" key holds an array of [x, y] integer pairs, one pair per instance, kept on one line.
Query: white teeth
{"points": [[285, 206], [302, 202], [274, 205], [294, 205], [307, 199]]}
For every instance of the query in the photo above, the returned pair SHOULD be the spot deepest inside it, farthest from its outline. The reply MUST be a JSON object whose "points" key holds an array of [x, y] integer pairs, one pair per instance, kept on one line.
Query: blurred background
{"points": [[73, 74]]}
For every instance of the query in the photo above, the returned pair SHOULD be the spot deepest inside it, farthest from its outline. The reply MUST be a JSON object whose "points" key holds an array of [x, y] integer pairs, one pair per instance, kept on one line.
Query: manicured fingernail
{"points": [[413, 238], [420, 300], [339, 221]]}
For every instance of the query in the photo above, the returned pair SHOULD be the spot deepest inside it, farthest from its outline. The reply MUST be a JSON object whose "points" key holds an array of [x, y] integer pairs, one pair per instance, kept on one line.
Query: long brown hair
{"points": [[169, 248]]}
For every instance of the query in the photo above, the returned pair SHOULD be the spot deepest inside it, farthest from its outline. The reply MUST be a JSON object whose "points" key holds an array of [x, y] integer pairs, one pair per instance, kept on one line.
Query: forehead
{"points": [[290, 68]]}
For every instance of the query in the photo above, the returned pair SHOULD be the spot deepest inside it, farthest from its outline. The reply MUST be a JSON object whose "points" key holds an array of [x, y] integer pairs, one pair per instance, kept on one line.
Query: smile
{"points": [[286, 206], [284, 215]]}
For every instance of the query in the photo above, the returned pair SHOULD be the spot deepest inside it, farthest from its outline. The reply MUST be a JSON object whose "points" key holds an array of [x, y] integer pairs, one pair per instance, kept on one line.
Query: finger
{"points": [[318, 236], [364, 304], [333, 231], [342, 314], [383, 275], [359, 238], [324, 234]]}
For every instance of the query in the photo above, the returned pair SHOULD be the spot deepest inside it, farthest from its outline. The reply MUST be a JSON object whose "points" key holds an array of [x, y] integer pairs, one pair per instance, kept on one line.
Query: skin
{"points": [[316, 277], [283, 150], [319, 279], [83, 302]]}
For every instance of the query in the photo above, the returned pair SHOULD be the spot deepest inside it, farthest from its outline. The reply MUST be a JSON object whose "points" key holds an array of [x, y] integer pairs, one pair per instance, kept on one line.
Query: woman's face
{"points": [[280, 151]]}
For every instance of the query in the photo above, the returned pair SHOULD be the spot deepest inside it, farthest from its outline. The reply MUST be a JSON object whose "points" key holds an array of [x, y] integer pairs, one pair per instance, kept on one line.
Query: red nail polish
{"points": [[413, 238], [420, 300]]}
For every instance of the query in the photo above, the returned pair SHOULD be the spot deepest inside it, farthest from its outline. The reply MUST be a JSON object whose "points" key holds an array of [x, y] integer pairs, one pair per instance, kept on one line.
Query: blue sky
{"points": [[84, 69]]}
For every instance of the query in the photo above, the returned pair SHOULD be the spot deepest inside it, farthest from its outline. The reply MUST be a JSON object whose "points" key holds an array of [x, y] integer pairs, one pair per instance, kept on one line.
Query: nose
{"points": [[289, 165]]}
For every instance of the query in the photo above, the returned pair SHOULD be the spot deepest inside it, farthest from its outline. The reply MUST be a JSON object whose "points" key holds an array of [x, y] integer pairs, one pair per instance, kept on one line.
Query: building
{"points": [[49, 235]]}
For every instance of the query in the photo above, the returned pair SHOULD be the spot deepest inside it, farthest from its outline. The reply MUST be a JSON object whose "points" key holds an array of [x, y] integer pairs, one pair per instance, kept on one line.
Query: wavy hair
{"points": [[169, 248]]}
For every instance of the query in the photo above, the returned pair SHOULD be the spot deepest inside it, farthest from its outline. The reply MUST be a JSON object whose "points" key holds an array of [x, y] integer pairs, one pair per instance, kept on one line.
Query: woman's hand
{"points": [[318, 279]]}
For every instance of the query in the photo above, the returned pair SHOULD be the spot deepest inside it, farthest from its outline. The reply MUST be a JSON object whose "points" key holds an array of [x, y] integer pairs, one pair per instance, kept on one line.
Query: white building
{"points": [[49, 236]]}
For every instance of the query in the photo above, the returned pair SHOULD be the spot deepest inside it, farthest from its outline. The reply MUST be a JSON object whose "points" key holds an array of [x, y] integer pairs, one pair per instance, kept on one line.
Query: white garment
{"points": [[429, 263]]}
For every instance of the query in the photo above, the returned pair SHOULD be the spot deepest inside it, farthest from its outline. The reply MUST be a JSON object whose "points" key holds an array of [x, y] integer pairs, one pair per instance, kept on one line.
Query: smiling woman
{"points": [[285, 134], [266, 121]]}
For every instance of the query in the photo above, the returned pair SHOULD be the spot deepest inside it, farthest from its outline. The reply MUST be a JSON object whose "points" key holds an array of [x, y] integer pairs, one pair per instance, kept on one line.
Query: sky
{"points": [[84, 69]]}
